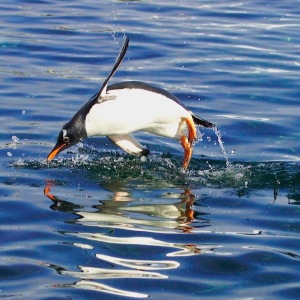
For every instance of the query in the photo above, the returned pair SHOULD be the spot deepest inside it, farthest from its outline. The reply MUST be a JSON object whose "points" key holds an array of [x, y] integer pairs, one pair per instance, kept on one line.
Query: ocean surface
{"points": [[97, 223]]}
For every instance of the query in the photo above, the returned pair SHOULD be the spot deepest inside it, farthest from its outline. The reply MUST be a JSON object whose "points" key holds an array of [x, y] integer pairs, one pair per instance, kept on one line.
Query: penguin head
{"points": [[71, 133]]}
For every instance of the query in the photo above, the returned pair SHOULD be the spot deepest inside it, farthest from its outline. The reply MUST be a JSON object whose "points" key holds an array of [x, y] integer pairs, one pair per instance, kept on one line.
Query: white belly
{"points": [[137, 110]]}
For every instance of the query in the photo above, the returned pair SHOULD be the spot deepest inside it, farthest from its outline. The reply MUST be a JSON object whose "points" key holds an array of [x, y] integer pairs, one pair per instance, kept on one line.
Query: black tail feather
{"points": [[202, 122]]}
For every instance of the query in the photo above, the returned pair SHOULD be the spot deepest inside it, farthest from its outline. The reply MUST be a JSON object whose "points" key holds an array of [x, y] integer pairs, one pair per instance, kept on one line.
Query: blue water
{"points": [[97, 222]]}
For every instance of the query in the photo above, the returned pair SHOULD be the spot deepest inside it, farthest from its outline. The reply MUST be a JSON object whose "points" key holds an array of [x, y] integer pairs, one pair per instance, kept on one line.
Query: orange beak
{"points": [[56, 150]]}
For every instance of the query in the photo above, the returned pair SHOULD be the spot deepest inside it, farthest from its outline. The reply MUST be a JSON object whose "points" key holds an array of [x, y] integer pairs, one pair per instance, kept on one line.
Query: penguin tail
{"points": [[202, 122]]}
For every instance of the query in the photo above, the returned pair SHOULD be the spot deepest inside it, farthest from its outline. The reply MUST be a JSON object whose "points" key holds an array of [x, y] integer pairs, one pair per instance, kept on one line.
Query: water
{"points": [[100, 223]]}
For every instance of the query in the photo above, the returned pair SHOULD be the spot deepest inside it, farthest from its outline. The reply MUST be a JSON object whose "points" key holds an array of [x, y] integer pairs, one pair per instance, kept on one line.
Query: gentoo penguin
{"points": [[120, 109]]}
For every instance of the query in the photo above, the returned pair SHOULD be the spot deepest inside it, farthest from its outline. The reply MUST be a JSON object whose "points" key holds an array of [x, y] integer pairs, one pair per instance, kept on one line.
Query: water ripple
{"points": [[96, 222]]}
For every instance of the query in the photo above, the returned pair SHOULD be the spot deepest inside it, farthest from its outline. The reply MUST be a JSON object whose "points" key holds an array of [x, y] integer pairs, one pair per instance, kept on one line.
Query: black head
{"points": [[71, 133]]}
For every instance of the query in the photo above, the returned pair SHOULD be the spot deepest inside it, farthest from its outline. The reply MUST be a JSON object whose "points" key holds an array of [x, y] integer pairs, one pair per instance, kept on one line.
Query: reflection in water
{"points": [[101, 273], [126, 213], [122, 212], [96, 286], [185, 249], [140, 265]]}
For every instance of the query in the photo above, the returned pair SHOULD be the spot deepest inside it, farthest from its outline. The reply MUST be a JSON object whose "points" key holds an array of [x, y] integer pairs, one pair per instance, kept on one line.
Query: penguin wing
{"points": [[102, 92], [129, 144]]}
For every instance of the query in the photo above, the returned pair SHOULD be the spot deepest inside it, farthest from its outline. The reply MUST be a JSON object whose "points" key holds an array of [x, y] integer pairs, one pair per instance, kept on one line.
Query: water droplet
{"points": [[15, 139]]}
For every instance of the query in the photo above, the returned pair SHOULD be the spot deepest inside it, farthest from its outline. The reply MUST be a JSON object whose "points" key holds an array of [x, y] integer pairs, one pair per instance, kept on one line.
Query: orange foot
{"points": [[191, 129], [187, 151], [186, 143]]}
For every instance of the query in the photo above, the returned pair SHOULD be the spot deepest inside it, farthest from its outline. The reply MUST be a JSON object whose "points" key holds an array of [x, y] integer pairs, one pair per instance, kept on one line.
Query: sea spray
{"points": [[219, 136]]}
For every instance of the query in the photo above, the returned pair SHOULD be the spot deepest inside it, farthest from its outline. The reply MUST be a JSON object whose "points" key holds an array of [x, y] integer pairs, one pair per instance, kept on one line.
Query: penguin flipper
{"points": [[129, 144], [118, 61]]}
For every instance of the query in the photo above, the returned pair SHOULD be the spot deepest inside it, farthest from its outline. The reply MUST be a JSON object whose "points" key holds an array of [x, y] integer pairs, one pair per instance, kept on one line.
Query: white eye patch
{"points": [[64, 132], [65, 138]]}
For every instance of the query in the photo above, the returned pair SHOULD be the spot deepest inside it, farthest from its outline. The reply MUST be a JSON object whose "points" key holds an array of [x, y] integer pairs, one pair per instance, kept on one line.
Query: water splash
{"points": [[219, 136]]}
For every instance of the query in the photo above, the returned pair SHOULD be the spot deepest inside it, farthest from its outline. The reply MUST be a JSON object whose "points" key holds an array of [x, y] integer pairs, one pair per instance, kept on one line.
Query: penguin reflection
{"points": [[115, 211]]}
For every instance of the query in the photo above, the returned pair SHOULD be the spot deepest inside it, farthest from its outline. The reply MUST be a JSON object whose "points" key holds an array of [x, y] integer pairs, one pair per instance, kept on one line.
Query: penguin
{"points": [[120, 109]]}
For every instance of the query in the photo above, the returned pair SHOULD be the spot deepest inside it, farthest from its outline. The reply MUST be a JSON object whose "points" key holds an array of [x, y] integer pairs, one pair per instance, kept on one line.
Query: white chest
{"points": [[130, 110]]}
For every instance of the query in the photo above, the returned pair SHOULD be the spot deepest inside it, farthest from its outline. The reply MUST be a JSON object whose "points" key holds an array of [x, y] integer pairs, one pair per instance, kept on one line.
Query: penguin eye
{"points": [[66, 139]]}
